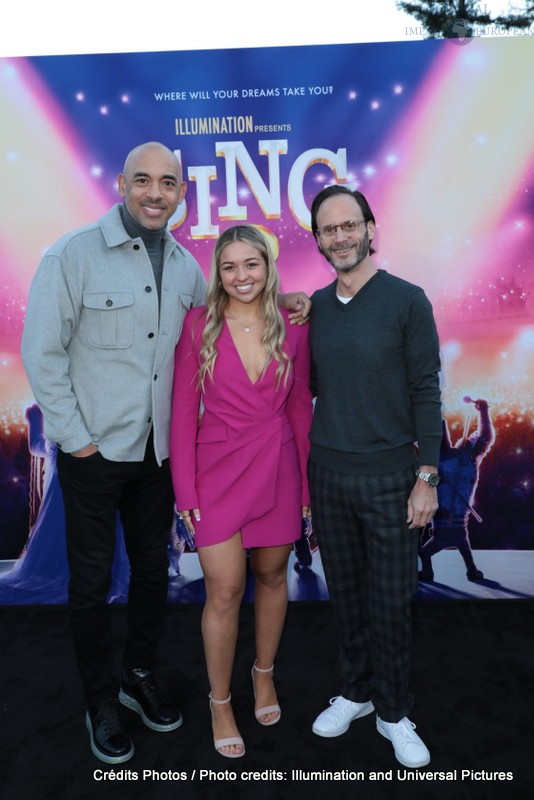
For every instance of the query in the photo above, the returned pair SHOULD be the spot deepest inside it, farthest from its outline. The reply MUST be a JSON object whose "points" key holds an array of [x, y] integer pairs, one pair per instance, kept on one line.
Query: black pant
{"points": [[94, 489], [369, 556]]}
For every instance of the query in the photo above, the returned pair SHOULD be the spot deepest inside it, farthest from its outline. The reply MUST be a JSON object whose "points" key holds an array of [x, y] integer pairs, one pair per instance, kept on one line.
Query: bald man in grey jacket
{"points": [[104, 314]]}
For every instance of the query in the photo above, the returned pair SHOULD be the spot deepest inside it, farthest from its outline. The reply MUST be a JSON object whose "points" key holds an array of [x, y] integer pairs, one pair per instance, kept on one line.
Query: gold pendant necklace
{"points": [[248, 327]]}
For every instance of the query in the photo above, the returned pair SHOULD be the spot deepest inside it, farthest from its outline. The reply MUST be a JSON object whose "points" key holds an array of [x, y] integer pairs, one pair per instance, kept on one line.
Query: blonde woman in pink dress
{"points": [[240, 477]]}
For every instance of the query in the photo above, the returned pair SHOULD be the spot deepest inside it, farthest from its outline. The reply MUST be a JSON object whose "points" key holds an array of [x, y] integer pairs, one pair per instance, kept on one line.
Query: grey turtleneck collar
{"points": [[135, 230]]}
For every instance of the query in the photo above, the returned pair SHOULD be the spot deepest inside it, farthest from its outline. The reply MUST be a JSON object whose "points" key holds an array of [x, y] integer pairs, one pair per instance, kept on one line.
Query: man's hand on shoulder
{"points": [[299, 303]]}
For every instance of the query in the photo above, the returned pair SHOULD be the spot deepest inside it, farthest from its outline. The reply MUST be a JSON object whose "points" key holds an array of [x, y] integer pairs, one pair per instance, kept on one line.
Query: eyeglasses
{"points": [[329, 231]]}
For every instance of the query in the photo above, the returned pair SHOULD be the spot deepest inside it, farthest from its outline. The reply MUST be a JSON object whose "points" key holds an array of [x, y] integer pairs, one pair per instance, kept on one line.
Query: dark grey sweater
{"points": [[153, 241], [375, 364]]}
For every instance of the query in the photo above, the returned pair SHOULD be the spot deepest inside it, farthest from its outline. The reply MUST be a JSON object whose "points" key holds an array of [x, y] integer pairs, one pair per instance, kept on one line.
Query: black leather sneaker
{"points": [[109, 743], [140, 693]]}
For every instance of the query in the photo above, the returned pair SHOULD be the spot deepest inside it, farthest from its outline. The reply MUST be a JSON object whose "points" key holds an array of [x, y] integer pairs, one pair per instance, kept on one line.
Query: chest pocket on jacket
{"points": [[109, 319]]}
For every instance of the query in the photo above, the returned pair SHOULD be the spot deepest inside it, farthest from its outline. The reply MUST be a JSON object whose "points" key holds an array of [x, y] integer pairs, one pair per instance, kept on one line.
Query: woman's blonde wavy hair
{"points": [[274, 334]]}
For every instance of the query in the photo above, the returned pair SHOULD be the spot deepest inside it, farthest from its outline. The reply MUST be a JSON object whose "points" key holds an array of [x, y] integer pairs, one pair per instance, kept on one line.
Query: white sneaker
{"points": [[409, 748], [336, 720]]}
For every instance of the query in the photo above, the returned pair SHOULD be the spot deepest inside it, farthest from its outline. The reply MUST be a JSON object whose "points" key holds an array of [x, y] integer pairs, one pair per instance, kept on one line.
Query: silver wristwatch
{"points": [[432, 478]]}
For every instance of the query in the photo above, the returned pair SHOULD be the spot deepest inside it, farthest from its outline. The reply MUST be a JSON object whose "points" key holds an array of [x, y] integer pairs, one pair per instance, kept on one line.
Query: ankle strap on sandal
{"points": [[258, 669], [219, 702]]}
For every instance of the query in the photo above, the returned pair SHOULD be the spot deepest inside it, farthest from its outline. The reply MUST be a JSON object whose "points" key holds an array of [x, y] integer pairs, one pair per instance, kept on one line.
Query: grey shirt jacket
{"points": [[98, 345]]}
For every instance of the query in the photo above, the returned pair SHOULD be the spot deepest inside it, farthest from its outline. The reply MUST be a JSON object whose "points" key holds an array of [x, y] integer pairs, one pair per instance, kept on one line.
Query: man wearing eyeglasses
{"points": [[375, 446]]}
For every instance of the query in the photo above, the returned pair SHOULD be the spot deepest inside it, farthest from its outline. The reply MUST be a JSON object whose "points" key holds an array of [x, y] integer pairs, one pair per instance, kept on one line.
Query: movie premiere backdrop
{"points": [[437, 134]]}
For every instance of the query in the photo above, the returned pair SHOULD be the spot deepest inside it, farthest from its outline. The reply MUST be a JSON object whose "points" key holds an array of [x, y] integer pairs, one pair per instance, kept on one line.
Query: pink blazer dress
{"points": [[244, 467]]}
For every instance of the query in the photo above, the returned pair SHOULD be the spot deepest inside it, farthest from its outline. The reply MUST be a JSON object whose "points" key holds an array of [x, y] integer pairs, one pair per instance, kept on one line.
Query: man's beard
{"points": [[361, 250]]}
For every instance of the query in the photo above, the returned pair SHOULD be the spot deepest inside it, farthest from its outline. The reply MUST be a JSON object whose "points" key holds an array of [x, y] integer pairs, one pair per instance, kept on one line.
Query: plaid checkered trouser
{"points": [[369, 557]]}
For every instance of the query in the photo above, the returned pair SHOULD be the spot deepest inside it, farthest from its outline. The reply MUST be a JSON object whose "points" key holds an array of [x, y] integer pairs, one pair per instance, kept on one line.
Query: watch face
{"points": [[433, 479]]}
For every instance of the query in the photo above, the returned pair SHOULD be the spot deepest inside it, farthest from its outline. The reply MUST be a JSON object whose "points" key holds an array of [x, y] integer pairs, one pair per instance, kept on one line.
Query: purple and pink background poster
{"points": [[437, 135]]}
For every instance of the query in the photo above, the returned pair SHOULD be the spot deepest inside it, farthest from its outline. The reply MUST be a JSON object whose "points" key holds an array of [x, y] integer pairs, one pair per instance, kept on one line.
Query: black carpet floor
{"points": [[472, 678]]}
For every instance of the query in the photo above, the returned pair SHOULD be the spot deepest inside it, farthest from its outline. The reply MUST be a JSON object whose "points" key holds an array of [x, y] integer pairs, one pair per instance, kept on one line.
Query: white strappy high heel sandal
{"points": [[230, 740], [261, 712]]}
